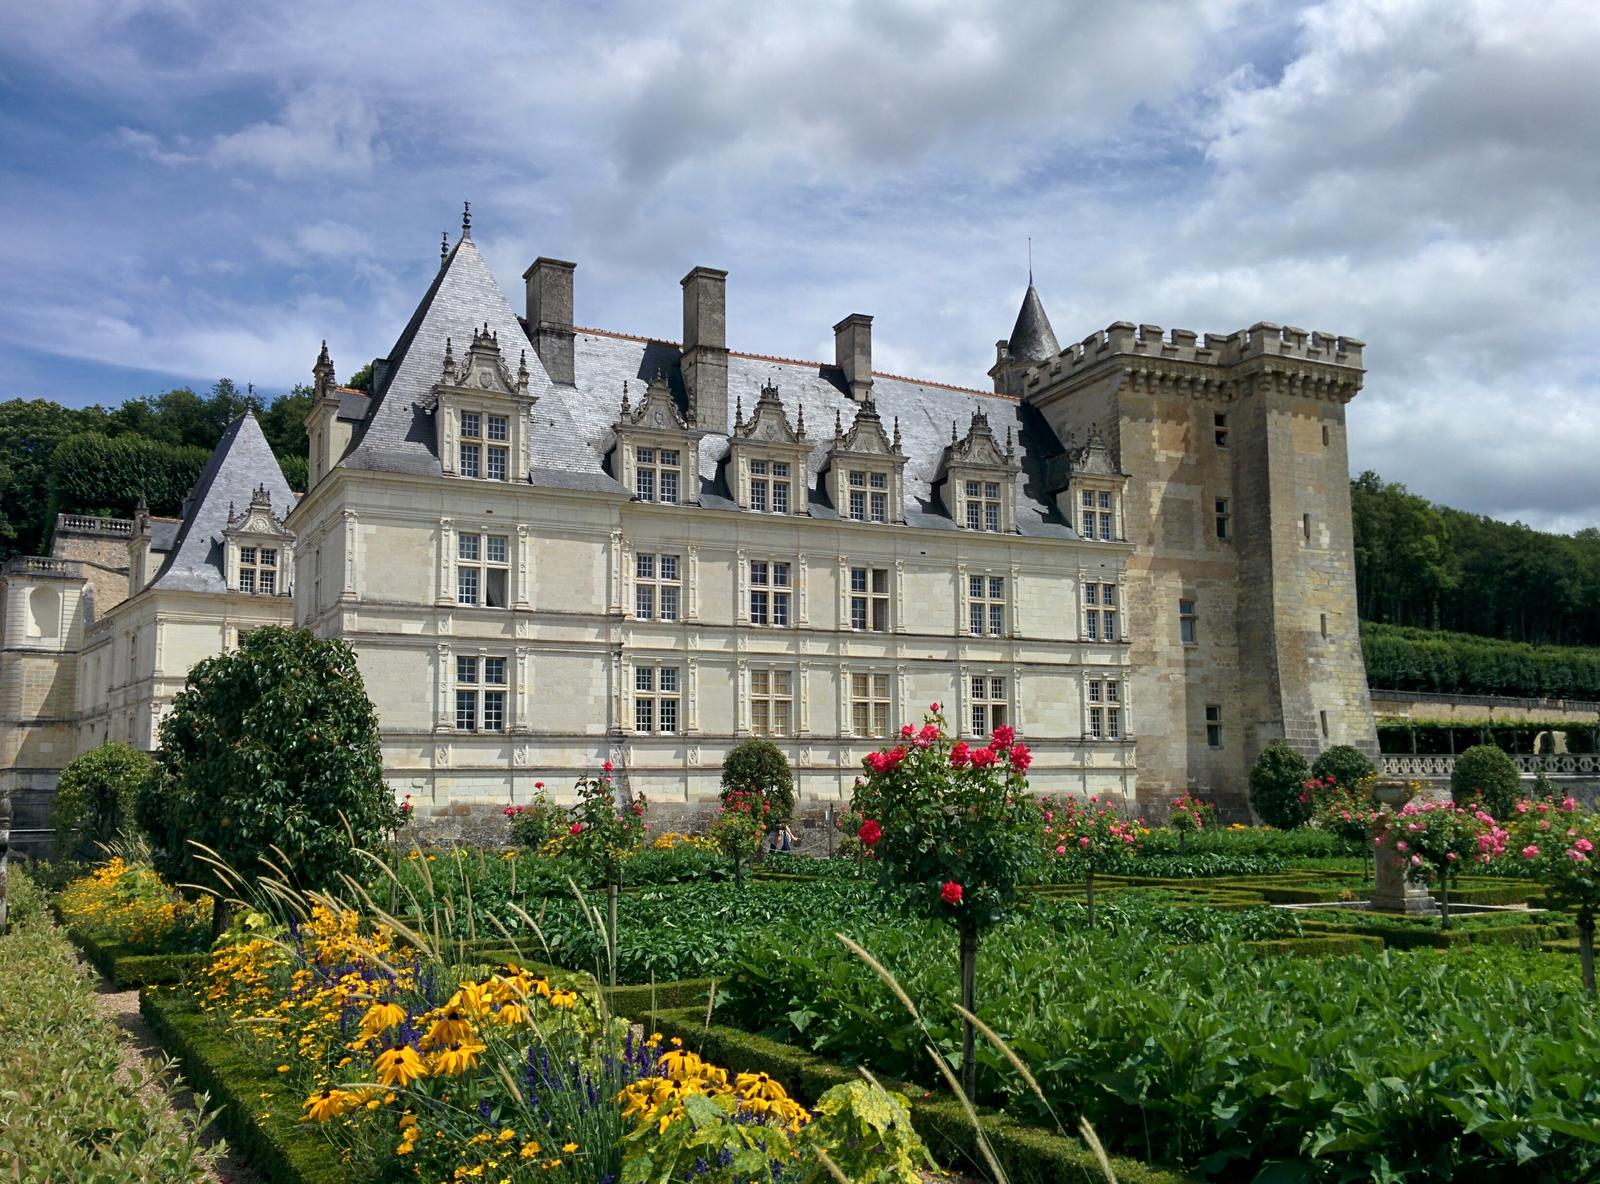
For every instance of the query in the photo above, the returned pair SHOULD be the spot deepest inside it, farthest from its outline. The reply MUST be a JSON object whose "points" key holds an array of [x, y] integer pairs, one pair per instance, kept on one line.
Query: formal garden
{"points": [[980, 981]]}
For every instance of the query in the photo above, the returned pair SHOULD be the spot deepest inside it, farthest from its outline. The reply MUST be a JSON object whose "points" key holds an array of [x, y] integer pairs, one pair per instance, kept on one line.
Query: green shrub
{"points": [[96, 793], [1277, 786], [761, 765], [270, 752], [1346, 765], [1485, 774]]}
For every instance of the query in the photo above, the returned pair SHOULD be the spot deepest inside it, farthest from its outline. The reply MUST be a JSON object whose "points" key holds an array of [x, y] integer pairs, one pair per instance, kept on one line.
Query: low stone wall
{"points": [[1422, 705]]}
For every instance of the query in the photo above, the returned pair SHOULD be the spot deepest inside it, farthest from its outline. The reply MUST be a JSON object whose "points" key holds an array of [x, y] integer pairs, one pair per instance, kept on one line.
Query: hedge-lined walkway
{"points": [[83, 1103]]}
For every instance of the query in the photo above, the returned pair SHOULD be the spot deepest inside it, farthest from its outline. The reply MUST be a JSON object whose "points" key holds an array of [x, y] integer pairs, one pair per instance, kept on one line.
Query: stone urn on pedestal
{"points": [[1392, 891]]}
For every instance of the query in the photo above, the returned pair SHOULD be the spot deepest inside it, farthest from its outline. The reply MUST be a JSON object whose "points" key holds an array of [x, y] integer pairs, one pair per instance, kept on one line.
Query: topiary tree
{"points": [[272, 748], [1486, 775], [953, 831], [1277, 787], [760, 766], [95, 796], [1563, 842], [1346, 765], [737, 830]]}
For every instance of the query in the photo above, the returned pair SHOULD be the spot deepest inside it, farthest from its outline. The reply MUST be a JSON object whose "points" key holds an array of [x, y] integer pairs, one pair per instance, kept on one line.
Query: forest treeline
{"points": [[1432, 567], [1406, 659], [102, 460]]}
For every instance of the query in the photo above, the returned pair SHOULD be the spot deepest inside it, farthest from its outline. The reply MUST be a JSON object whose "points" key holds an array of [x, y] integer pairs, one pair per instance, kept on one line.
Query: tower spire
{"points": [[444, 247], [466, 219]]}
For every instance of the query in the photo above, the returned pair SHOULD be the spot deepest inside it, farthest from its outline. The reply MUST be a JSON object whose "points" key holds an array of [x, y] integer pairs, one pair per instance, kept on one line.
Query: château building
{"points": [[552, 546]]}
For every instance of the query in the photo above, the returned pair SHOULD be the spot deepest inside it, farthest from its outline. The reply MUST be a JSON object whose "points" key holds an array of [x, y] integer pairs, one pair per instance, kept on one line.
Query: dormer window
{"points": [[1092, 496], [770, 486], [869, 496], [258, 570], [656, 474], [258, 551], [767, 457], [481, 413], [980, 478], [654, 444], [1096, 514]]}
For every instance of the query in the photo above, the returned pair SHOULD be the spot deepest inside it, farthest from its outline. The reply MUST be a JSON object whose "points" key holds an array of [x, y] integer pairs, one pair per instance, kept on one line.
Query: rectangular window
{"points": [[1323, 716], [1097, 723], [498, 462], [1325, 436], [769, 486], [655, 475], [983, 505], [1324, 622], [1100, 612], [480, 694], [1305, 527], [1213, 725], [869, 705], [869, 599], [258, 570], [1223, 519], [988, 703], [656, 587], [771, 699], [655, 700], [878, 499], [483, 573], [498, 425], [1188, 632], [472, 445], [1105, 709], [1219, 425], [769, 592], [986, 606]]}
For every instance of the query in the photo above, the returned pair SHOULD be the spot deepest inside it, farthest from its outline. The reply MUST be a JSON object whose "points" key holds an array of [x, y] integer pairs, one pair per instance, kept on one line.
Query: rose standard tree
{"points": [[604, 831], [1092, 835], [1563, 843], [952, 831], [1437, 839]]}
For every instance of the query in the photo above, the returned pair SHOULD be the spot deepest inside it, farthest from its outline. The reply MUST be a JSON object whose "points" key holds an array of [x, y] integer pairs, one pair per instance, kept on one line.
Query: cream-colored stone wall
{"points": [[572, 645]]}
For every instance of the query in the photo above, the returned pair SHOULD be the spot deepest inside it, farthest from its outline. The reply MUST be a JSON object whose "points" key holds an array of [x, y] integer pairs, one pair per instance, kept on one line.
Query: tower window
{"points": [[1213, 725], [1224, 519], [1219, 426], [1188, 619]]}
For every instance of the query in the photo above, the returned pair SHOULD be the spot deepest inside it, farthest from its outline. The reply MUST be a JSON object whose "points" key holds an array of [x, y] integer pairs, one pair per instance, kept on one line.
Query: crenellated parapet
{"points": [[1122, 341]]}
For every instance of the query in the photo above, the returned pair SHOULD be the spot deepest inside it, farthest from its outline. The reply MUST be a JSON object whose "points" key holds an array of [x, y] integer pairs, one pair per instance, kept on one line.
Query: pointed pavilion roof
{"points": [[1032, 338], [242, 462]]}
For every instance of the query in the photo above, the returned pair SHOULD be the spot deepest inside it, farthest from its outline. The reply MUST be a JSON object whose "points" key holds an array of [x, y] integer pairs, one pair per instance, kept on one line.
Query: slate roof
{"points": [[1032, 339], [242, 461], [572, 437], [164, 532]]}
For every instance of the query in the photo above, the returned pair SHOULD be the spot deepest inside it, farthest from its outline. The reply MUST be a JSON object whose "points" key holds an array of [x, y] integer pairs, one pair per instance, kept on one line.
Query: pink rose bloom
{"points": [[934, 707], [1577, 857], [1061, 850], [907, 731], [1049, 815], [1569, 803], [1584, 845], [1416, 861], [1531, 851], [1401, 846], [1450, 857], [1084, 841]]}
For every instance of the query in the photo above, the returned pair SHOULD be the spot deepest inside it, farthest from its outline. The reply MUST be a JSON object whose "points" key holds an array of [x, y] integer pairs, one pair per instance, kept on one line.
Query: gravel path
{"points": [[143, 1051]]}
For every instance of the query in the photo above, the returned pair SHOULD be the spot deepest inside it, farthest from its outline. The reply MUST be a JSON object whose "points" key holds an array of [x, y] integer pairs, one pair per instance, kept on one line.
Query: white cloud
{"points": [[320, 131]]}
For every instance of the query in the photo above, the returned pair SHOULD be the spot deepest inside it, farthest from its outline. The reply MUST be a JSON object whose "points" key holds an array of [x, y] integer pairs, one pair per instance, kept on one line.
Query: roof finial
{"points": [[1030, 261], [522, 371], [952, 431], [626, 409], [444, 246], [466, 219], [897, 433], [838, 425], [800, 421], [1010, 449], [738, 413]]}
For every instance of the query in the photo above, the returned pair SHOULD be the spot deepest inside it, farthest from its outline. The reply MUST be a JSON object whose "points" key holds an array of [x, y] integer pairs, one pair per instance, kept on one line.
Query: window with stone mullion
{"points": [[770, 592], [986, 606], [656, 475], [869, 599], [657, 589], [480, 694], [771, 702], [655, 700]]}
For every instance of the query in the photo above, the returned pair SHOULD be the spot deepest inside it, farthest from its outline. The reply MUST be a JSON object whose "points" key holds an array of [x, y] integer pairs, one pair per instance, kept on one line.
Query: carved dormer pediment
{"points": [[767, 456], [1096, 458], [256, 519], [657, 455], [769, 423], [480, 411], [979, 448], [865, 468]]}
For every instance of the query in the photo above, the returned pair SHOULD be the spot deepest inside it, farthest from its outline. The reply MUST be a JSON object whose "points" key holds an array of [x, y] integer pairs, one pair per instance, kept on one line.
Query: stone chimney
{"points": [[705, 347], [852, 353], [550, 315]]}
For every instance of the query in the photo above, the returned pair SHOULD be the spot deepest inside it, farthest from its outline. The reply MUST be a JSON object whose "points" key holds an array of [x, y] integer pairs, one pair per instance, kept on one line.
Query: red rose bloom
{"points": [[606, 765], [575, 829], [870, 832], [1021, 758], [983, 758], [950, 893], [960, 755], [1003, 736]]}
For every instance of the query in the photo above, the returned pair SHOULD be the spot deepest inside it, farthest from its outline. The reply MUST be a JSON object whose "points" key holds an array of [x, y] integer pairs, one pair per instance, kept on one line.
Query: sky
{"points": [[191, 189]]}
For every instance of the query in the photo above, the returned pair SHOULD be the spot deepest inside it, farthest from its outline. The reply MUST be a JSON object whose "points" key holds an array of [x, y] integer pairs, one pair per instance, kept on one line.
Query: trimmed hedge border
{"points": [[1030, 1154], [125, 967], [1322, 945], [278, 1146]]}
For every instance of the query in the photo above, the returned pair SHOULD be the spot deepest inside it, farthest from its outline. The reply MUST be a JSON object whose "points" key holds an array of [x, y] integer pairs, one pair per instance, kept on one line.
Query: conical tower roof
{"points": [[1032, 338]]}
